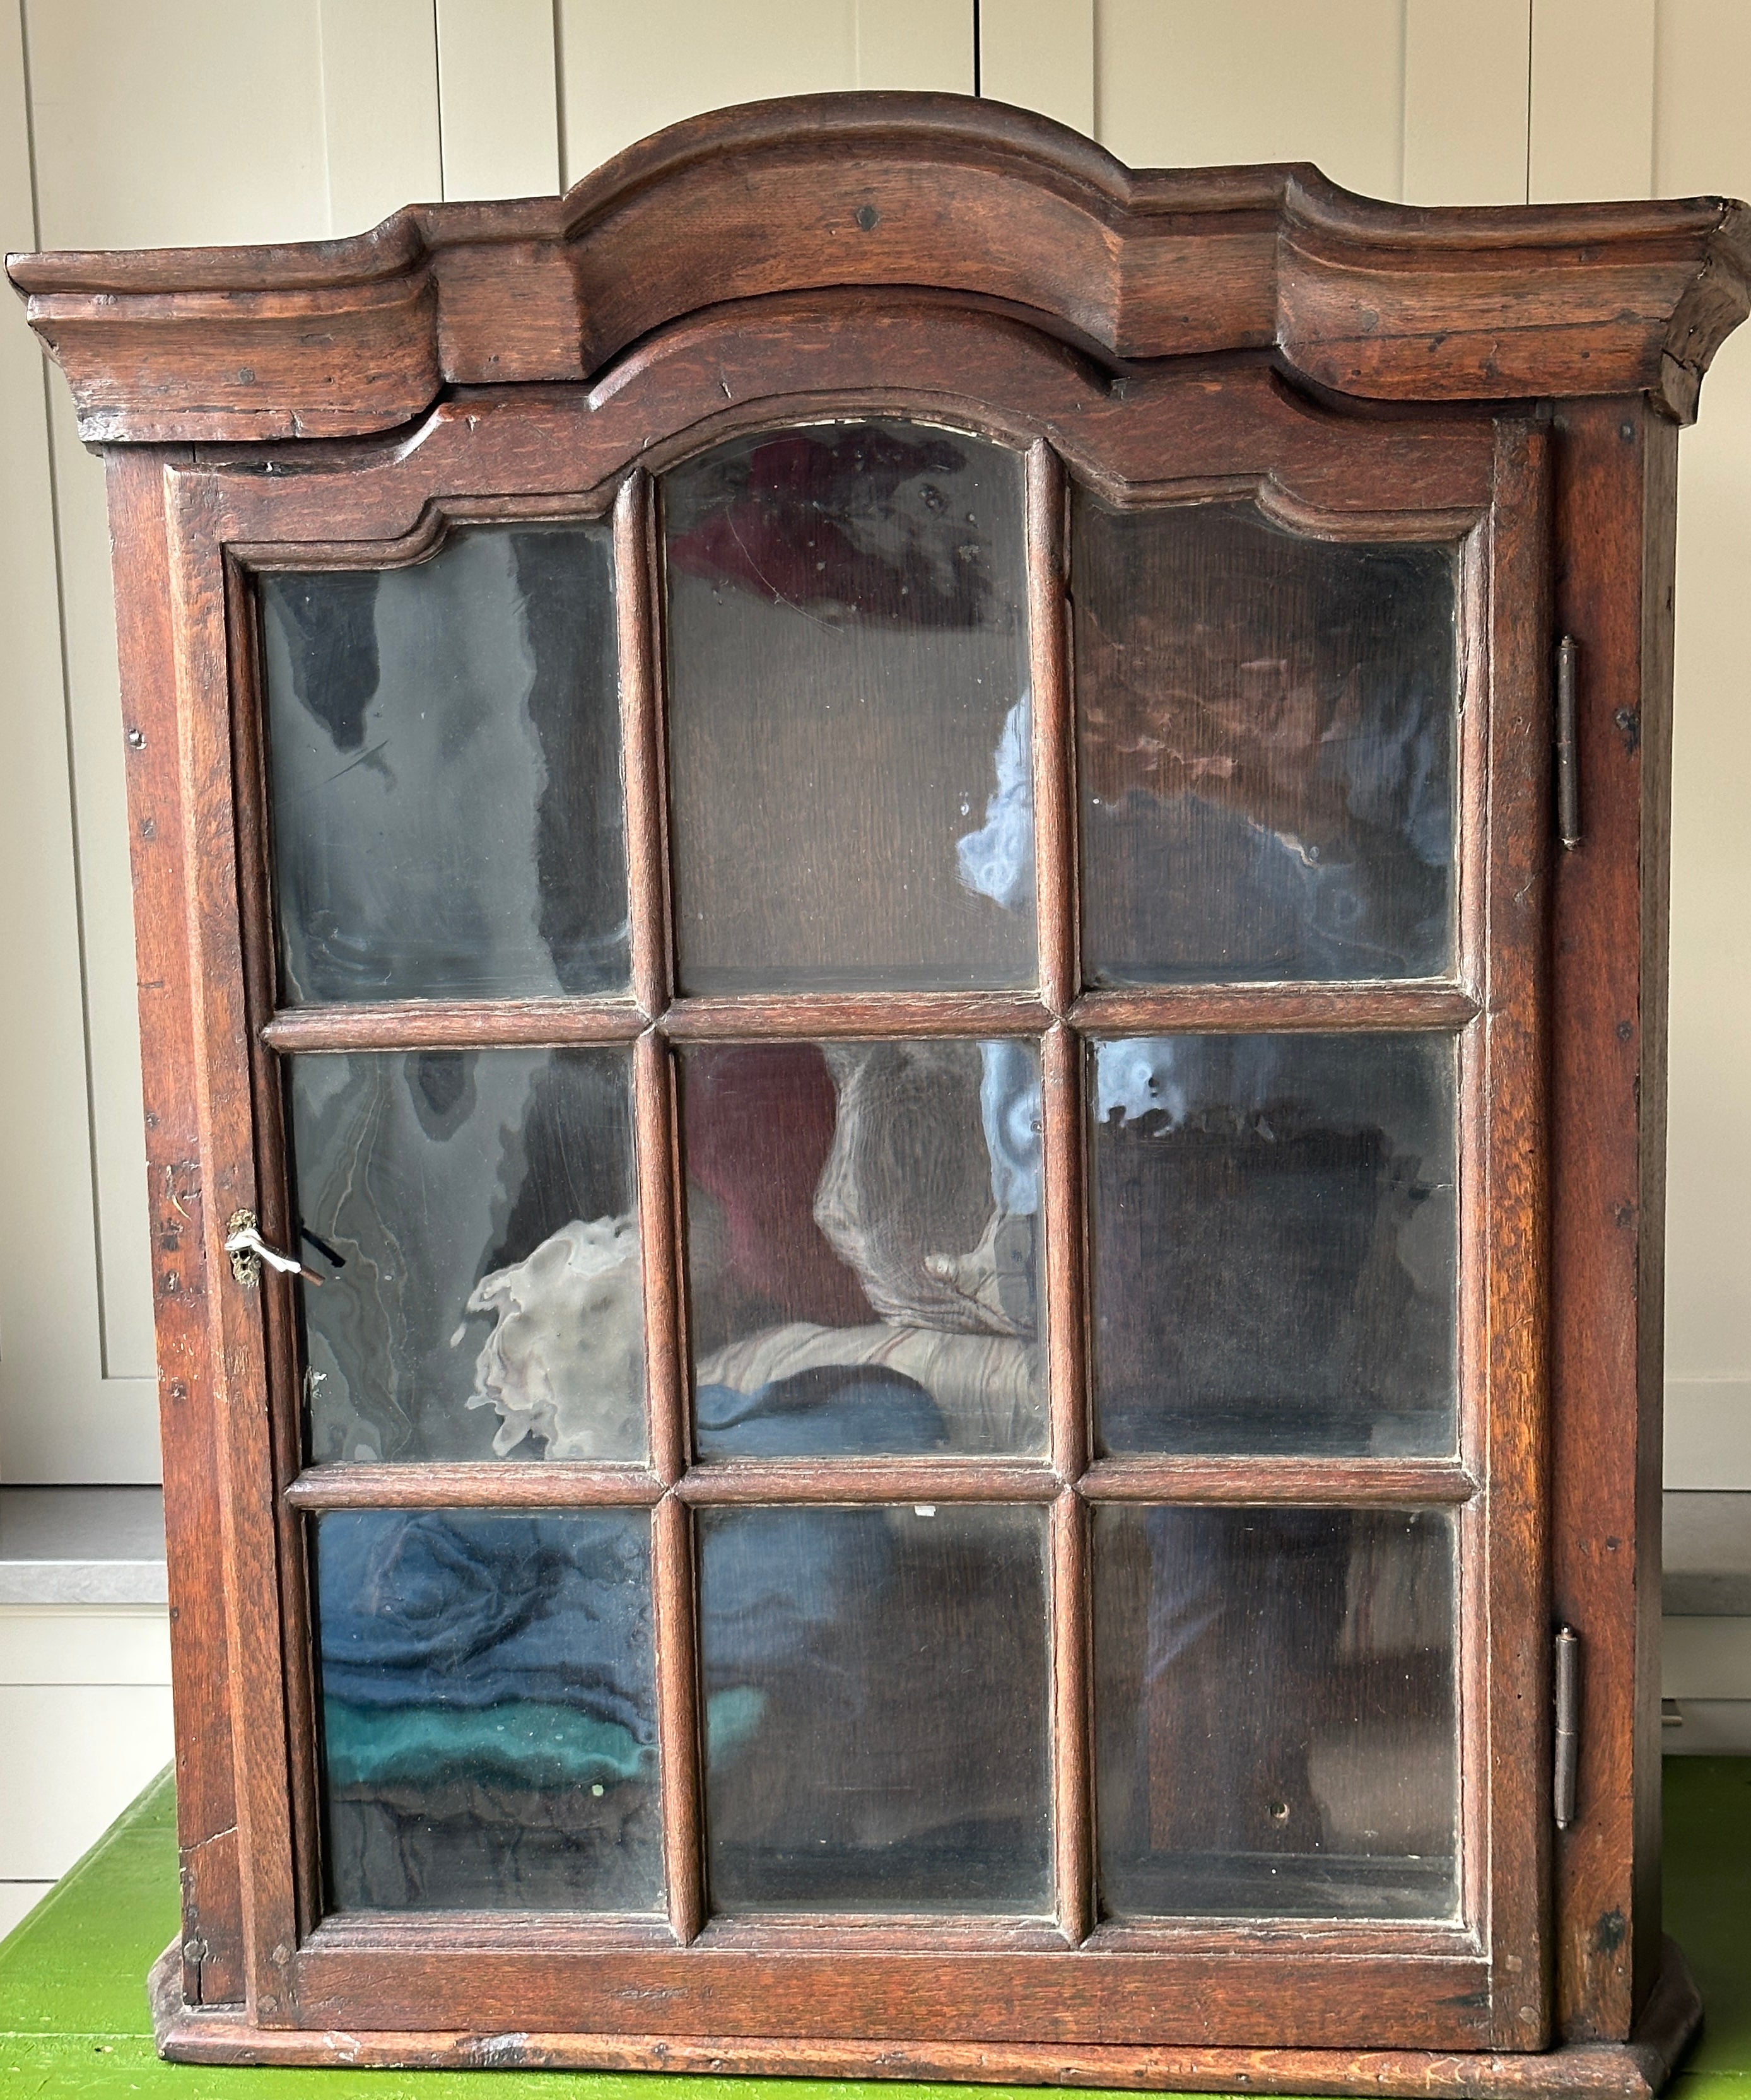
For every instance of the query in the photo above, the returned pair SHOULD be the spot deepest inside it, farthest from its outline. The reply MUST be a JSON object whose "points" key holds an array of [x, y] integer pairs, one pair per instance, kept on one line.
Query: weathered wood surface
{"points": [[1384, 302]]}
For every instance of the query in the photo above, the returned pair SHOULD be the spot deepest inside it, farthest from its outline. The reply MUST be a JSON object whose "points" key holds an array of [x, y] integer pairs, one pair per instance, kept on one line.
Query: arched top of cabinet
{"points": [[1378, 301]]}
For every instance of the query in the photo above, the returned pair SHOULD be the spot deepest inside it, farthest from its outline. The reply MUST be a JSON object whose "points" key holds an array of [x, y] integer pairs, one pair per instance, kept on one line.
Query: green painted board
{"points": [[72, 1999]]}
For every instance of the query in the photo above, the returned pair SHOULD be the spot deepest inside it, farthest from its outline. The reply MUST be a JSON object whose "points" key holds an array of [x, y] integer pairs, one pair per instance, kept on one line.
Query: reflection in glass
{"points": [[850, 764], [488, 1721], [444, 749], [1267, 728], [875, 1686], [862, 1220], [1274, 1240], [1275, 1729], [488, 1302]]}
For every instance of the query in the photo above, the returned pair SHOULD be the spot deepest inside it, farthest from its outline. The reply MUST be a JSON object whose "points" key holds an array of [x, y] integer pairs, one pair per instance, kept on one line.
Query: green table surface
{"points": [[72, 1995]]}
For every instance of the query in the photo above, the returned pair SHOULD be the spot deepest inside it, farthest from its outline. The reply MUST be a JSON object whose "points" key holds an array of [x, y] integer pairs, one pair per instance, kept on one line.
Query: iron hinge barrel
{"points": [[1568, 744], [1568, 1743]]}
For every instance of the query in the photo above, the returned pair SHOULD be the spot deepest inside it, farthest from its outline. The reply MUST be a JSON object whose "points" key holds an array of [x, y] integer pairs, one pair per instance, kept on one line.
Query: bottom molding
{"points": [[1635, 2070]]}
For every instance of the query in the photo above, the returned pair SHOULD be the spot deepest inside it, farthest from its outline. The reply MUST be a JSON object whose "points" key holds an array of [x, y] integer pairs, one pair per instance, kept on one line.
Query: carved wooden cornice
{"points": [[1381, 302]]}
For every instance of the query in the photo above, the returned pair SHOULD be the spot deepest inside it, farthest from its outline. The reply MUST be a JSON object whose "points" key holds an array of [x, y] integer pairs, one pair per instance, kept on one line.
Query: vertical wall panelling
{"points": [[85, 1694], [1180, 83], [628, 71], [924, 44], [113, 86], [498, 98], [379, 109], [1703, 145], [1466, 91], [1592, 100], [1040, 54], [51, 1372]]}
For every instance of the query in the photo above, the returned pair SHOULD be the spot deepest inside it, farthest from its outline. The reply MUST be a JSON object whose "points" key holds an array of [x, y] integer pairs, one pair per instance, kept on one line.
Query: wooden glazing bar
{"points": [[1352, 1483], [678, 1716], [805, 1016], [658, 1236], [1072, 1719], [452, 1024], [870, 1480], [638, 632], [1053, 729], [502, 1484], [1192, 1009], [1061, 1254]]}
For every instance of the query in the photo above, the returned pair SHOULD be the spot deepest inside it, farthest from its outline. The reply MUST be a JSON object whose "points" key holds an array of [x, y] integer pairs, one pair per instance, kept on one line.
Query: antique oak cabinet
{"points": [[902, 921]]}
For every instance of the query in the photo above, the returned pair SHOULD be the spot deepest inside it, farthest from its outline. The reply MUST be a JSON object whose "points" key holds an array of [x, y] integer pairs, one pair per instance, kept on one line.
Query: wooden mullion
{"points": [[1061, 1225], [1214, 1008], [1072, 1722], [677, 1701], [848, 1016], [868, 1481], [636, 570], [1062, 1228], [1348, 1483], [491, 1484], [452, 1024], [637, 631], [1054, 741]]}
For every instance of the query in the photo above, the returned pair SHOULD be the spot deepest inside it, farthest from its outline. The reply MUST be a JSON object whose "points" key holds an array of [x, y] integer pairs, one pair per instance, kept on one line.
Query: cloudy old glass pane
{"points": [[850, 770]]}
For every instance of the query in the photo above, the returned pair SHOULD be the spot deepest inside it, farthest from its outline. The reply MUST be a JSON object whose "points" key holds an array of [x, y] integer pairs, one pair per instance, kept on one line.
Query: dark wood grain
{"points": [[1069, 1997], [1635, 2070], [191, 1396], [493, 1484], [678, 1718], [280, 1223], [1072, 1721], [213, 978], [1363, 1483], [1507, 1619], [831, 1016], [452, 1024], [1054, 751], [660, 1249], [1616, 506], [1065, 1229], [1371, 299], [1166, 1009], [869, 1480], [643, 741]]}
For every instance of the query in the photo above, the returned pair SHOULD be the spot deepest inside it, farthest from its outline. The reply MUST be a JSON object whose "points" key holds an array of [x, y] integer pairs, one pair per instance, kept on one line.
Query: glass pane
{"points": [[444, 747], [487, 1301], [1275, 1726], [1274, 1242], [875, 1686], [1267, 749], [861, 1235], [488, 1721], [849, 763]]}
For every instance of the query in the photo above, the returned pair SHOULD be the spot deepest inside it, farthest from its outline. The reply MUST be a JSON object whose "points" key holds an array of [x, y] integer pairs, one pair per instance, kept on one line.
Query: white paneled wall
{"points": [[84, 1724], [153, 121]]}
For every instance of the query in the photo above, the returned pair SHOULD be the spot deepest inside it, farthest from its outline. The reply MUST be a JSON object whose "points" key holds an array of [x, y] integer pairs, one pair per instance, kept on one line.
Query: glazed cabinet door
{"points": [[889, 988]]}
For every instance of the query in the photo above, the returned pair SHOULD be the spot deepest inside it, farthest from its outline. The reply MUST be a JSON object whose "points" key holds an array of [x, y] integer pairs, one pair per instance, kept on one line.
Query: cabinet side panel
{"points": [[1606, 1079], [188, 1390], [1659, 561]]}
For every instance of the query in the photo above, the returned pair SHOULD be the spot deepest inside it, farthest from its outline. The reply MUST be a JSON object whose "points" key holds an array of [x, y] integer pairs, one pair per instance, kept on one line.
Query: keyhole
{"points": [[1279, 1811]]}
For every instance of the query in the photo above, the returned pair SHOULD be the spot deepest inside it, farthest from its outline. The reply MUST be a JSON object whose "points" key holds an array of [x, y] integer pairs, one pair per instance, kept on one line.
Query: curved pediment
{"points": [[1379, 302]]}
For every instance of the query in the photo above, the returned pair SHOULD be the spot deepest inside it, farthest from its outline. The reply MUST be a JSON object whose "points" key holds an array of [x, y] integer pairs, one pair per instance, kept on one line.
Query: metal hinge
{"points": [[1567, 746], [1568, 1745]]}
